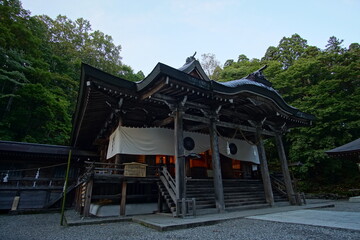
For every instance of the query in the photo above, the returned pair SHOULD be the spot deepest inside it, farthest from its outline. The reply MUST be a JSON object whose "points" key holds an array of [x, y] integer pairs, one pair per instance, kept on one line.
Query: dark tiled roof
{"points": [[92, 112], [346, 149], [190, 66], [36, 148]]}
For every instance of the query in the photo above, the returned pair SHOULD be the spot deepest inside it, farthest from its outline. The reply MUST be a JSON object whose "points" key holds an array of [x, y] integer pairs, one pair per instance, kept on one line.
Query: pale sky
{"points": [[168, 31]]}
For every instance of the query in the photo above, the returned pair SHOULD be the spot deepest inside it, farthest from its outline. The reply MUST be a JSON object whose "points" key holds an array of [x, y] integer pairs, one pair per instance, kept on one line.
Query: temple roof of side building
{"points": [[104, 97], [346, 150], [23, 148]]}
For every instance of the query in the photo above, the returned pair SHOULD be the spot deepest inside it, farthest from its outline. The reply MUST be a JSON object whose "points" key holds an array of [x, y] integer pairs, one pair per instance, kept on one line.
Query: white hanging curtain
{"points": [[244, 151], [160, 141]]}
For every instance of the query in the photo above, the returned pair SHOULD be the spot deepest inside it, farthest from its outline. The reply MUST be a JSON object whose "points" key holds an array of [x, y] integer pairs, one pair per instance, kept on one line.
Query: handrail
{"points": [[101, 167], [114, 168], [279, 185], [169, 183], [102, 163]]}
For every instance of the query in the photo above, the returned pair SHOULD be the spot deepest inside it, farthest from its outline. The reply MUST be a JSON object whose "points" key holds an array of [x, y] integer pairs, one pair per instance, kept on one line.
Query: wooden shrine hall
{"points": [[181, 141]]}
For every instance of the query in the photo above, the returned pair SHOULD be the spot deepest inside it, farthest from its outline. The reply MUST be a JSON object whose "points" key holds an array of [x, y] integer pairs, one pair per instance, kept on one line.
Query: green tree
{"points": [[12, 77], [290, 49], [325, 83], [40, 62], [209, 63], [38, 116], [334, 45], [272, 53], [228, 63], [242, 58]]}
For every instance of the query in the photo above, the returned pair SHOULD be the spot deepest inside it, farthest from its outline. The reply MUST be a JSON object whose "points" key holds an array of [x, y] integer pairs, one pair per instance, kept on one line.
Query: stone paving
{"points": [[281, 213], [333, 219], [228, 226]]}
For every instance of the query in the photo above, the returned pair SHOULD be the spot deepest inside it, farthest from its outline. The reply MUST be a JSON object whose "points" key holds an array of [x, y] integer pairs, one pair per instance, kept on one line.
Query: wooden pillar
{"points": [[285, 169], [218, 185], [77, 199], [160, 202], [88, 195], [264, 168], [118, 161], [180, 155], [123, 199]]}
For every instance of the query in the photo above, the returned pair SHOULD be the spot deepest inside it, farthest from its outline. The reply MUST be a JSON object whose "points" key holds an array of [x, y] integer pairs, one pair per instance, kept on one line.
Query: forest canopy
{"points": [[40, 60], [323, 82]]}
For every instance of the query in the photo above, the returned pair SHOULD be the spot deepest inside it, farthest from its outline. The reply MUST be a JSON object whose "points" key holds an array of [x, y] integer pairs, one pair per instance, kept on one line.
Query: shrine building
{"points": [[180, 142]]}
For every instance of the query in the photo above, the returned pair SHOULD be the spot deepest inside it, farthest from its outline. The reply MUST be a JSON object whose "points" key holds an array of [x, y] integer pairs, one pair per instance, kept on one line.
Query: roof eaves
{"points": [[83, 90], [36, 148], [149, 78], [260, 89], [353, 146], [90, 71]]}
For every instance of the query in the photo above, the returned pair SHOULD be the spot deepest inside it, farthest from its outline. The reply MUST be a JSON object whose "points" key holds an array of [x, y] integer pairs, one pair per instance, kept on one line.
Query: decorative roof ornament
{"points": [[190, 59], [258, 76], [194, 68]]}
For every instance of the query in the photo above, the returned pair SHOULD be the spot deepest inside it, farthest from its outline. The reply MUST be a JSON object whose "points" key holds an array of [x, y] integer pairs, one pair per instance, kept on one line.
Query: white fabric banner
{"points": [[160, 141], [244, 151]]}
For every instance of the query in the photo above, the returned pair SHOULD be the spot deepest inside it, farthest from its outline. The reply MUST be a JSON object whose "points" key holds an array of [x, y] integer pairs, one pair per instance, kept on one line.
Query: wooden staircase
{"points": [[237, 193], [82, 180], [167, 189]]}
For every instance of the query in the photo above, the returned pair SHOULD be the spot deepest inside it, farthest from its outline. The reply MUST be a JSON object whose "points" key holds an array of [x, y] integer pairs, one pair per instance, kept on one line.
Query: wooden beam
{"points": [[78, 199], [285, 169], [226, 124], [123, 199], [243, 128], [164, 122], [162, 97], [89, 187], [197, 127], [235, 114], [118, 161], [180, 155], [218, 186], [195, 118], [83, 107], [264, 168], [160, 202], [155, 89]]}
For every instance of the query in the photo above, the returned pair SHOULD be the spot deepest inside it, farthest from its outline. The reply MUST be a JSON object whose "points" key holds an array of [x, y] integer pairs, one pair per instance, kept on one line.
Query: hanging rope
{"points": [[248, 141], [5, 180], [29, 169], [242, 134]]}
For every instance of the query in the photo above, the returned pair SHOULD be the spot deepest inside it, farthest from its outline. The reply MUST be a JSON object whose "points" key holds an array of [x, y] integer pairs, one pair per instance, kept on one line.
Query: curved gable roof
{"points": [[193, 66], [255, 83], [245, 85], [99, 90]]}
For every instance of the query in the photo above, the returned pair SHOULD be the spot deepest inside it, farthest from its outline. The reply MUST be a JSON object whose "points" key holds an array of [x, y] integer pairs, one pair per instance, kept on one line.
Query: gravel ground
{"points": [[46, 226]]}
